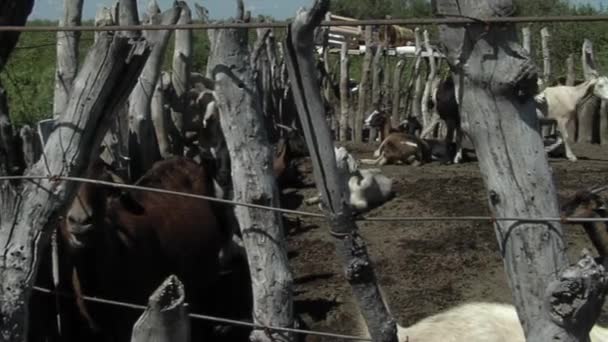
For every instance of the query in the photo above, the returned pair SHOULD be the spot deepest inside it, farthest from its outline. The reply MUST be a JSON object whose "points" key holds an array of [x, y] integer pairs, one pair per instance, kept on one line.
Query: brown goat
{"points": [[127, 242], [396, 146]]}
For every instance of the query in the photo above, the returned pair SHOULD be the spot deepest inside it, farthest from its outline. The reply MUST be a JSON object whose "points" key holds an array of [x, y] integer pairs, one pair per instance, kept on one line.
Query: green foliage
{"points": [[29, 76]]}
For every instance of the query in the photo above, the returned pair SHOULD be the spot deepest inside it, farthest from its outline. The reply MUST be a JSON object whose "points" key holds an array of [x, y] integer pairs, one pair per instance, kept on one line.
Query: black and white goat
{"points": [[369, 188]]}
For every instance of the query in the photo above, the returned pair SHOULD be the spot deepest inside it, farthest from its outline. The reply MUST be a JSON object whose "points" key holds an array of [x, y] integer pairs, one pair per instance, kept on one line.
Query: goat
{"points": [[446, 104], [471, 322], [127, 242], [368, 187], [560, 103], [396, 146]]}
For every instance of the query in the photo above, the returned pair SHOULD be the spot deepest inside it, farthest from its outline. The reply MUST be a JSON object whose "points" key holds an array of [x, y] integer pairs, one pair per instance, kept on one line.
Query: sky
{"points": [[279, 9]]}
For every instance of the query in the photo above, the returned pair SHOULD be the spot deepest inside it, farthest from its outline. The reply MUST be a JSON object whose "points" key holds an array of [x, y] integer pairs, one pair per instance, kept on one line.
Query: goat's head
{"points": [[410, 125], [600, 88], [88, 206], [584, 203], [375, 119], [345, 160]]}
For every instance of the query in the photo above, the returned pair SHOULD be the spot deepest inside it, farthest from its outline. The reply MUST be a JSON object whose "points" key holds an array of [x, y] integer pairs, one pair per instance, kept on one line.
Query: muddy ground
{"points": [[423, 267]]}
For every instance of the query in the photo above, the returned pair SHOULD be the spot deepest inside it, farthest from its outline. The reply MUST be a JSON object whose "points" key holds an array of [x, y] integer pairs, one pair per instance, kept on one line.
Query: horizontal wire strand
{"points": [[283, 24], [207, 317], [311, 214]]}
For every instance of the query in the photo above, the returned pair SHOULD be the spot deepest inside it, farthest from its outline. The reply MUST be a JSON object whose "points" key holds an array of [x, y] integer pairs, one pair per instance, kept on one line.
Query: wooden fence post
{"points": [[570, 71], [143, 145], [396, 92], [334, 192], [378, 73], [67, 55], [428, 86], [545, 38], [417, 96], [242, 123], [526, 39], [344, 94], [27, 213], [166, 318], [364, 86], [499, 114], [180, 76], [588, 111]]}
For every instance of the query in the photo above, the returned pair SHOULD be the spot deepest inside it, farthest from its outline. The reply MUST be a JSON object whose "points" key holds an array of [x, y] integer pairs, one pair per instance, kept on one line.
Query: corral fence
{"points": [[172, 286]]}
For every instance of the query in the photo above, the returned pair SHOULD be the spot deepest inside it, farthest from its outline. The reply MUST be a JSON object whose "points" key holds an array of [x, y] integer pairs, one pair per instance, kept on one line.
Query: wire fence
{"points": [[210, 318], [283, 24], [404, 219]]}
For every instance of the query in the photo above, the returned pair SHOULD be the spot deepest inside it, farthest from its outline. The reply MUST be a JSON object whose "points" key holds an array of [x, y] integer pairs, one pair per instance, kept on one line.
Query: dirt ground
{"points": [[423, 267]]}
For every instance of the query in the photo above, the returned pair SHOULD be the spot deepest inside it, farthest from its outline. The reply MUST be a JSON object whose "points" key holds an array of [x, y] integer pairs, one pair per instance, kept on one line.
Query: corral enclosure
{"points": [[423, 266]]}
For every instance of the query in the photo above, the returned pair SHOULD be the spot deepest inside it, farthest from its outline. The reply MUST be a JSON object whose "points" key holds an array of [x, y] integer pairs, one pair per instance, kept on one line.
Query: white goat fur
{"points": [[560, 103], [368, 187], [471, 322]]}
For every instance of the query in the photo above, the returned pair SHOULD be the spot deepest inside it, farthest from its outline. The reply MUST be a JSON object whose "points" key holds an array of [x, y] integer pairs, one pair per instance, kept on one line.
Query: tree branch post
{"points": [[28, 213], [299, 47], [166, 318], [588, 111], [143, 145], [364, 86], [67, 54], [396, 92], [242, 123], [344, 93], [545, 38], [495, 83]]}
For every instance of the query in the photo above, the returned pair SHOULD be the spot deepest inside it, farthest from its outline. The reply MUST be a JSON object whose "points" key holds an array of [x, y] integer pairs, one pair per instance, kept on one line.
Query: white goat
{"points": [[561, 102], [368, 187], [470, 322]]}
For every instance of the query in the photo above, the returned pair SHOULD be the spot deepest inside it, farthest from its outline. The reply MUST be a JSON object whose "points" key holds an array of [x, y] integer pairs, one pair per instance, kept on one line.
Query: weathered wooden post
{"points": [[143, 146], [180, 75], [242, 123], [498, 113], [396, 92], [428, 86], [588, 111], [378, 73], [334, 192], [570, 71], [108, 74], [67, 54], [545, 41], [166, 318], [364, 86], [417, 96], [344, 94], [526, 39]]}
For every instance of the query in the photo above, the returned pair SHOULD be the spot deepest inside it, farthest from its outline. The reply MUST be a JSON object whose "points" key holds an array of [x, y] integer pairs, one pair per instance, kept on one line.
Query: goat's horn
{"points": [[287, 128], [597, 190]]}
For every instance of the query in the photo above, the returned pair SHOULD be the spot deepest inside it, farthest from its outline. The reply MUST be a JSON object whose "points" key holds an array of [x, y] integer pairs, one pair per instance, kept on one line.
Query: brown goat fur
{"points": [[127, 242]]}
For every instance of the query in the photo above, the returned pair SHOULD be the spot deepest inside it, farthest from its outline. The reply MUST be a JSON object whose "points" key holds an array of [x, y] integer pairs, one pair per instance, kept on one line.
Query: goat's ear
{"points": [[131, 204]]}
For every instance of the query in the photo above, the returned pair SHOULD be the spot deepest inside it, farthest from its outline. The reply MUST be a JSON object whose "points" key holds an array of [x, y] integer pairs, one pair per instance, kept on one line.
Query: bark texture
{"points": [[28, 212], [242, 123], [350, 246], [498, 113]]}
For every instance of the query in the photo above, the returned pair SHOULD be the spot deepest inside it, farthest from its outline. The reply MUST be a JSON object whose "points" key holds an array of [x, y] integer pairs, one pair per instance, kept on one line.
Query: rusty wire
{"points": [[403, 219], [283, 24], [207, 317]]}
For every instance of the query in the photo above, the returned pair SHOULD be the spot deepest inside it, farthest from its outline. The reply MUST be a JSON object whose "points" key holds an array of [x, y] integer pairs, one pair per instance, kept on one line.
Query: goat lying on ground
{"points": [[368, 187], [471, 322], [396, 146], [560, 103]]}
